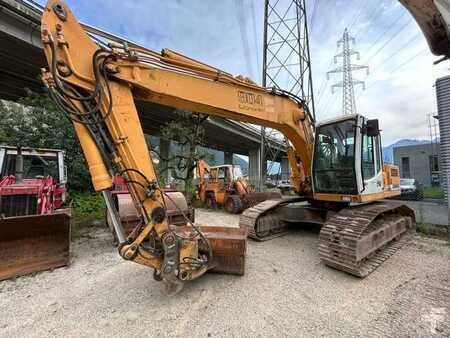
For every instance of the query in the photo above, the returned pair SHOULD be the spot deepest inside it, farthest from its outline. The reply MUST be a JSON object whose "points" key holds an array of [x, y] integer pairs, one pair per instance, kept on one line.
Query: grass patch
{"points": [[87, 208], [433, 192], [434, 231], [423, 228]]}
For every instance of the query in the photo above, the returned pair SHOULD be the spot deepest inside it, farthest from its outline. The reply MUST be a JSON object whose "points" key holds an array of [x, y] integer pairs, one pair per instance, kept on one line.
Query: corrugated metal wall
{"points": [[443, 102]]}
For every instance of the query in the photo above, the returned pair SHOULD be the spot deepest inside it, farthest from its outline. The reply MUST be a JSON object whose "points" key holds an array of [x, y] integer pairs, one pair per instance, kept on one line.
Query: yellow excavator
{"points": [[337, 167]]}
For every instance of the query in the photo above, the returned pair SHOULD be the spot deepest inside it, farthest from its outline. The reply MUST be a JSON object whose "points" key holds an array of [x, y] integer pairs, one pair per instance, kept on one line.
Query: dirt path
{"points": [[286, 292]]}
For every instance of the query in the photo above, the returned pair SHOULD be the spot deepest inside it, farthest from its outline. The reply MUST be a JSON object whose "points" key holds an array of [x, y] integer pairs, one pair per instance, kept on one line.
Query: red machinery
{"points": [[38, 196], [34, 229]]}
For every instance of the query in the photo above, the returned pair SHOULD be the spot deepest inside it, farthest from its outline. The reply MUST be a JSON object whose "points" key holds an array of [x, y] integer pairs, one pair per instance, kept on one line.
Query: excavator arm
{"points": [[96, 87]]}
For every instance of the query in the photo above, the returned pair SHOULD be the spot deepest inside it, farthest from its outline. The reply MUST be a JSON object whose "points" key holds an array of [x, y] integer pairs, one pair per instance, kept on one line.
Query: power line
{"points": [[372, 15], [313, 16], [388, 41], [241, 18], [409, 60], [255, 35], [323, 85], [396, 69], [414, 38], [358, 14], [393, 24], [331, 102]]}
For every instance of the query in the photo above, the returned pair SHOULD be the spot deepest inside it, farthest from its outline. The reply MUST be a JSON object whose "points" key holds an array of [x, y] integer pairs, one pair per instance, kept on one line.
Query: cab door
{"points": [[371, 172]]}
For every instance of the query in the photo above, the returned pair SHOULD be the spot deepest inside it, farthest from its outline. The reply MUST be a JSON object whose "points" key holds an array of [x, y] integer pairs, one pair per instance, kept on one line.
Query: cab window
{"points": [[222, 173], [213, 174], [368, 157]]}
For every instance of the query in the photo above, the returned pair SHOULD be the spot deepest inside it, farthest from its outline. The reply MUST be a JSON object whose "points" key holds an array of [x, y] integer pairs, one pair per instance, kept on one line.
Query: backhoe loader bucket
{"points": [[33, 243], [228, 247]]}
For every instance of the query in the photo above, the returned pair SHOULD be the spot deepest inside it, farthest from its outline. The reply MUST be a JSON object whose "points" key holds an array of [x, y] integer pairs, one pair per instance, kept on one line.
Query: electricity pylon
{"points": [[347, 84]]}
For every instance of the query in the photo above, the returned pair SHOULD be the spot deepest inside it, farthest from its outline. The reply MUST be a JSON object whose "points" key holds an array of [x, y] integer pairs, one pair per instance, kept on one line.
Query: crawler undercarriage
{"points": [[354, 239]]}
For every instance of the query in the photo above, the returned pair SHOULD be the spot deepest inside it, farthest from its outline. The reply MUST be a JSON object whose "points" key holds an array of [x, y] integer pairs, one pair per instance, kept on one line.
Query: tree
{"points": [[187, 131], [35, 122]]}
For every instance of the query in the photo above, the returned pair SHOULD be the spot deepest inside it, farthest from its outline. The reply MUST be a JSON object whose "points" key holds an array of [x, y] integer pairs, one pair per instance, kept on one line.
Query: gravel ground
{"points": [[286, 292]]}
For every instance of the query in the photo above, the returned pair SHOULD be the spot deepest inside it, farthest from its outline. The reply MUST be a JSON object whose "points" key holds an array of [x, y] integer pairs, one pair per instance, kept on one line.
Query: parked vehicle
{"points": [[225, 185], [411, 189]]}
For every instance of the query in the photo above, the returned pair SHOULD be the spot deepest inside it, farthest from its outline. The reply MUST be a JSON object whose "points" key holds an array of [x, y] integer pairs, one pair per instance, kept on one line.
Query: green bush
{"points": [[36, 122], [423, 228], [88, 203], [87, 208]]}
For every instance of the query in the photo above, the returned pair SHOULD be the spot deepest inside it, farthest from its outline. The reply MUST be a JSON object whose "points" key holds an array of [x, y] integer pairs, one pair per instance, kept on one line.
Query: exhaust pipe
{"points": [[19, 166]]}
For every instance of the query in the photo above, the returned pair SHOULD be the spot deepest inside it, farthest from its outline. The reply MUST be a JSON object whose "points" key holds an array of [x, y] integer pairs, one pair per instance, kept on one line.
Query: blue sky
{"points": [[400, 84]]}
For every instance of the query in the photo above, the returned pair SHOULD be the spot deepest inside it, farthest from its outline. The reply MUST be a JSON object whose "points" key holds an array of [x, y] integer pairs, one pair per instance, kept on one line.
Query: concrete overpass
{"points": [[21, 58]]}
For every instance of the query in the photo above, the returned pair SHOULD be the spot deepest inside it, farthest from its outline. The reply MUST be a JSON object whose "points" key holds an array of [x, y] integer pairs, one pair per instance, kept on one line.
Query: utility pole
{"points": [[347, 84], [286, 60]]}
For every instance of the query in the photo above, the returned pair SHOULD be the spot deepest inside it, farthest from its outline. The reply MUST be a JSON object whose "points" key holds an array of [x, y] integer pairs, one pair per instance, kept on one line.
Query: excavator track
{"points": [[359, 239], [262, 221]]}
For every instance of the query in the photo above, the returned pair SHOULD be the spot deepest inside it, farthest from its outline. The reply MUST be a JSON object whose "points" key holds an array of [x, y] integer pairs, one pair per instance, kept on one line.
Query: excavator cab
{"points": [[348, 163]]}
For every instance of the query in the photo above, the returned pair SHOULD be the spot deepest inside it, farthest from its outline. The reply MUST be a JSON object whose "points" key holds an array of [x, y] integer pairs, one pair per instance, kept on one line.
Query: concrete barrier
{"points": [[429, 212]]}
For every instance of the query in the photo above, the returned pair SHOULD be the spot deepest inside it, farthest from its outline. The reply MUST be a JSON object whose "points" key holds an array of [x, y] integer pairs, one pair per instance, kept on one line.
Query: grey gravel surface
{"points": [[286, 292]]}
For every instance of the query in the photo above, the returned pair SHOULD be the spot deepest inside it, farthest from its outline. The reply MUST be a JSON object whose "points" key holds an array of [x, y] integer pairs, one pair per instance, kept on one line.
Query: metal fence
{"points": [[443, 103]]}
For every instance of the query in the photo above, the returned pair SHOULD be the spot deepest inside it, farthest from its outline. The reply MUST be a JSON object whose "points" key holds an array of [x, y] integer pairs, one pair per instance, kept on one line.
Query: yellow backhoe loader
{"points": [[225, 185], [337, 168]]}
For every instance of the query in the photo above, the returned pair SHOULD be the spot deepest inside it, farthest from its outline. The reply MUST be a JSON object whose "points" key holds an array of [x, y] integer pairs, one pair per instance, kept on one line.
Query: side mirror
{"points": [[372, 128]]}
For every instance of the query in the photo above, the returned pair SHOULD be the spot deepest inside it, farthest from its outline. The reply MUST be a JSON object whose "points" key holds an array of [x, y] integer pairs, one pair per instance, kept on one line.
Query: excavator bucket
{"points": [[33, 243], [228, 246]]}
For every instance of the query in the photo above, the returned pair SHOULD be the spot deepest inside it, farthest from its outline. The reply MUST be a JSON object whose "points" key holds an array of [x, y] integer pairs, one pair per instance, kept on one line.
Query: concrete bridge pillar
{"points": [[285, 169], [228, 157], [164, 150], [254, 168], [263, 176]]}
